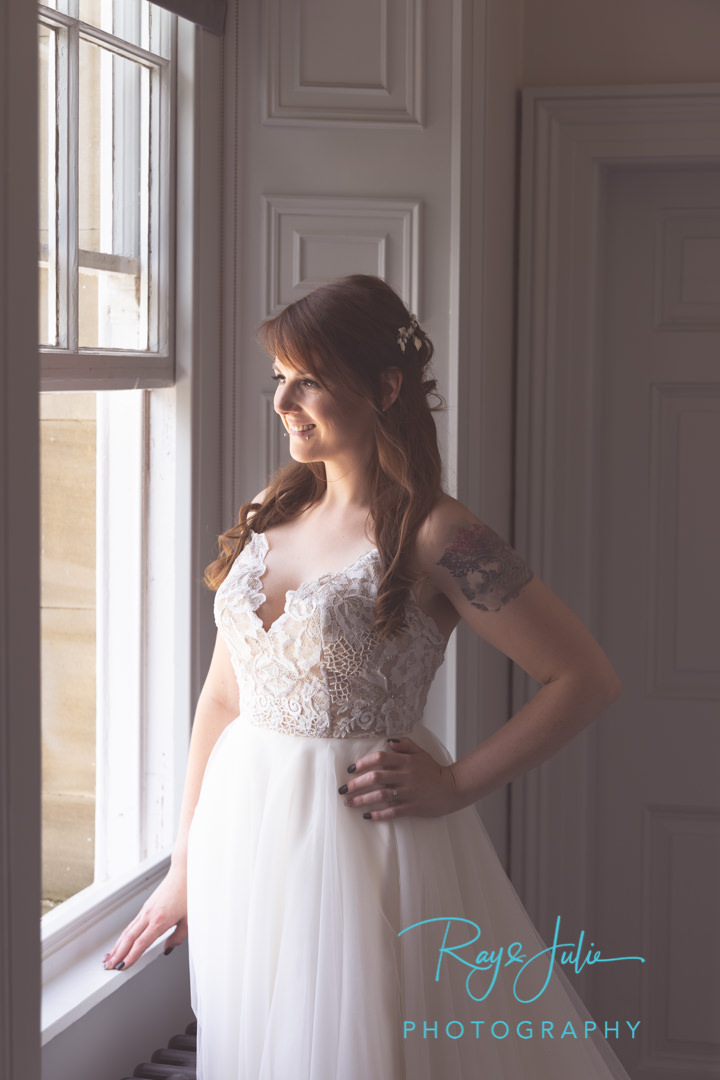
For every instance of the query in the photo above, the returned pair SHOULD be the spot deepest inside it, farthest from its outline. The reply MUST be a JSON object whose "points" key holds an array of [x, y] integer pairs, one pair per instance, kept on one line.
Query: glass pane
{"points": [[114, 200], [109, 310], [92, 450], [47, 255], [136, 21], [68, 482]]}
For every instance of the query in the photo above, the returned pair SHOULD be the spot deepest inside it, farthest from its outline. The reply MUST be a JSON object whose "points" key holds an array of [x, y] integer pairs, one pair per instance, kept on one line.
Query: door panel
{"points": [[655, 756]]}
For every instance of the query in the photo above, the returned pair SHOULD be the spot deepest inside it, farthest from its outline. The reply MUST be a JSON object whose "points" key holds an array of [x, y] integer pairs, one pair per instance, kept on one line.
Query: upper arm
{"points": [[220, 683], [497, 594]]}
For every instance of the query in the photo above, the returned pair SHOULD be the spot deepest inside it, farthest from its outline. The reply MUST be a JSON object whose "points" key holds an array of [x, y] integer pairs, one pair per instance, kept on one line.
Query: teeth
{"points": [[305, 427]]}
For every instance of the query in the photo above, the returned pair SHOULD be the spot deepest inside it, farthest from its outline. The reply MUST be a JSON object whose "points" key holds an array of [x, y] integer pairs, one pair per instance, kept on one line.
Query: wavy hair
{"points": [[345, 334]]}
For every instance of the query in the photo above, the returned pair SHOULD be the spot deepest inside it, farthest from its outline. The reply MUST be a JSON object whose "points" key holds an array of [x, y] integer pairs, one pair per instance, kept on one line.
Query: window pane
{"points": [[137, 21], [114, 191], [67, 461], [108, 310], [47, 130], [92, 450]]}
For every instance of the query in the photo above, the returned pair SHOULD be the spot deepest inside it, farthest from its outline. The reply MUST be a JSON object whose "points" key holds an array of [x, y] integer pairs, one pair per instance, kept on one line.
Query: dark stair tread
{"points": [[177, 1062], [183, 1042], [149, 1070], [182, 1058]]}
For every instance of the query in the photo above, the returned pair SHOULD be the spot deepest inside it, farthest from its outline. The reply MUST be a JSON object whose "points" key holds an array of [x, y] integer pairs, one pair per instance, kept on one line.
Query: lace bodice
{"points": [[320, 670]]}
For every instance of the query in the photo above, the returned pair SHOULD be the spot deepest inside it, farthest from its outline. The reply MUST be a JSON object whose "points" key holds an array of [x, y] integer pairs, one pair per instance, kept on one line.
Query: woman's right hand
{"points": [[166, 907]]}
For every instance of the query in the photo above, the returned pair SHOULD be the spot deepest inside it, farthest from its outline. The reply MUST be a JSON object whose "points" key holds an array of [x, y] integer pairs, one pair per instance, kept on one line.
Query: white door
{"points": [[657, 755]]}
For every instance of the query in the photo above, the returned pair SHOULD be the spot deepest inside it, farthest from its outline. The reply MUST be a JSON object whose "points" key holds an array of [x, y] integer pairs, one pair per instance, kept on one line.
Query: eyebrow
{"points": [[300, 374]]}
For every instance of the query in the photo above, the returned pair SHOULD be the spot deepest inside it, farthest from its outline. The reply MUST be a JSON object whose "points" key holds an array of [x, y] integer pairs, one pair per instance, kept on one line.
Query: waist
{"points": [[330, 727]]}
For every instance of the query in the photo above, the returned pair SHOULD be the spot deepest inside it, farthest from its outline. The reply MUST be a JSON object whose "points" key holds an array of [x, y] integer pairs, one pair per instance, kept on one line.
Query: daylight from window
{"points": [[102, 84]]}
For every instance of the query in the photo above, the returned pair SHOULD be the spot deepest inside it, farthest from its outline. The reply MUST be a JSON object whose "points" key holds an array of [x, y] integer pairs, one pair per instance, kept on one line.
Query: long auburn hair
{"points": [[345, 334]]}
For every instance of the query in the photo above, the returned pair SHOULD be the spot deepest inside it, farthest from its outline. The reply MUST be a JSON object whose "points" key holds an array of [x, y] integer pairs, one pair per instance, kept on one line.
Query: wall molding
{"points": [[393, 98], [383, 235], [571, 138]]}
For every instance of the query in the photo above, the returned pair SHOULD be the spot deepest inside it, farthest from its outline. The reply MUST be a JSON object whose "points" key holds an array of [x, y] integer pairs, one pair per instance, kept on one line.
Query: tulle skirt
{"points": [[306, 957]]}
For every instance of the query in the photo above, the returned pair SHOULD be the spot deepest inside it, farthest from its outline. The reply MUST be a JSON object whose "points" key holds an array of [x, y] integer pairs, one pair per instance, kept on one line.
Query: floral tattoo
{"points": [[490, 572]]}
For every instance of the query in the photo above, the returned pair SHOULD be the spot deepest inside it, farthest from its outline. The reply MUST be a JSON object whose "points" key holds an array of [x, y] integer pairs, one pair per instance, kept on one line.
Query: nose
{"points": [[283, 401]]}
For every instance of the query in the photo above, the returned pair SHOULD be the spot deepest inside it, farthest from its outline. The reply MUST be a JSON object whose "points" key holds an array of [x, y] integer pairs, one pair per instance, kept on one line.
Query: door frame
{"points": [[571, 138]]}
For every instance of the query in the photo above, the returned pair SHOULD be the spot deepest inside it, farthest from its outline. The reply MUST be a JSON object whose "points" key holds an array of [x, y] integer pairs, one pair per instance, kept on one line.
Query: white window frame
{"points": [[67, 362], [178, 498]]}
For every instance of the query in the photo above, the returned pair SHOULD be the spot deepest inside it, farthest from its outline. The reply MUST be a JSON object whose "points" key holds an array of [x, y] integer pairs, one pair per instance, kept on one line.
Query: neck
{"points": [[345, 491], [348, 483]]}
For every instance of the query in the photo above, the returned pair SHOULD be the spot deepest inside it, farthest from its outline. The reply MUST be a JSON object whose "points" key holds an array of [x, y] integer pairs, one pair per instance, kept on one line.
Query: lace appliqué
{"points": [[320, 670]]}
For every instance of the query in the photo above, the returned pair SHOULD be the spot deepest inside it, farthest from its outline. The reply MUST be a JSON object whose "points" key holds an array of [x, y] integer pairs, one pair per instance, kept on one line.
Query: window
{"points": [[105, 194], [114, 618]]}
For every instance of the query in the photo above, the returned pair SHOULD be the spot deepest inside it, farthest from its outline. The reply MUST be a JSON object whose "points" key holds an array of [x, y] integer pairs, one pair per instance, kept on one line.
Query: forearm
{"points": [[552, 718], [211, 719]]}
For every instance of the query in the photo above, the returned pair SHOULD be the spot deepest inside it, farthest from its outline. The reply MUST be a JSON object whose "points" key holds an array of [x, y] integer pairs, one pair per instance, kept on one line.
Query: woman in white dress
{"points": [[336, 880]]}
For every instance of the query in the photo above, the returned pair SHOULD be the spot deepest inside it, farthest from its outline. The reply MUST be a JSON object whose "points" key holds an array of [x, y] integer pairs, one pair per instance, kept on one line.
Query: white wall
{"points": [[19, 548], [598, 42], [124, 1029]]}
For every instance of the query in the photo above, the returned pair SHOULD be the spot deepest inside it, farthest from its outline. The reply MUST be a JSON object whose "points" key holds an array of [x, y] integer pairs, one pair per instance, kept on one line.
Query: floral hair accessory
{"points": [[406, 332]]}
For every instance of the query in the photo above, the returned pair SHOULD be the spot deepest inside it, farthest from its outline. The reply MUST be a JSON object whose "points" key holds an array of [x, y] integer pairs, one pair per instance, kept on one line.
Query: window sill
{"points": [[76, 936]]}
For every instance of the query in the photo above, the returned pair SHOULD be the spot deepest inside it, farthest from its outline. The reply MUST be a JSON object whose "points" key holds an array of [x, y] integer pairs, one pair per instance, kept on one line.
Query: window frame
{"points": [[76, 934], [67, 365]]}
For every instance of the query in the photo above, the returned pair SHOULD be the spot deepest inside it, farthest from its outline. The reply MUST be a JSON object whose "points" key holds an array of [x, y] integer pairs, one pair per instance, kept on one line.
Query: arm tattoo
{"points": [[490, 572]]}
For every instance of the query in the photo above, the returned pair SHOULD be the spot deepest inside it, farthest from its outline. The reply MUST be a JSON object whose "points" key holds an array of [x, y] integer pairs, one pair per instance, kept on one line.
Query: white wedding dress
{"points": [[297, 904]]}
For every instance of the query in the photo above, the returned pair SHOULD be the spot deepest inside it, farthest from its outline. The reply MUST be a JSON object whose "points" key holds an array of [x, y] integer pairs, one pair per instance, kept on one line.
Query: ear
{"points": [[391, 381]]}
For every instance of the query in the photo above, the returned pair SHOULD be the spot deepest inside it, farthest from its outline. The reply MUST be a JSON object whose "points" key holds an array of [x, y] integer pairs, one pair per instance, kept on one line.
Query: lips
{"points": [[299, 429]]}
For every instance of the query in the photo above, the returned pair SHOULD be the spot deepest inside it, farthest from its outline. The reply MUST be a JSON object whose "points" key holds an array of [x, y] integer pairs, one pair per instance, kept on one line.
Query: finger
{"points": [[178, 935], [369, 761], [370, 798], [394, 811], [403, 744], [124, 943], [370, 781], [140, 945]]}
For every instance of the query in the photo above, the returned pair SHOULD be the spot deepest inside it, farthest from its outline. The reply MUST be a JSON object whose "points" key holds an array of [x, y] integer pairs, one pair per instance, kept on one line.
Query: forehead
{"points": [[300, 366], [290, 363]]}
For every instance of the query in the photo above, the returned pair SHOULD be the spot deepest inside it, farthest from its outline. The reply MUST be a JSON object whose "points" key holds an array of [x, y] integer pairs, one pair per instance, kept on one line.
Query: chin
{"points": [[302, 455]]}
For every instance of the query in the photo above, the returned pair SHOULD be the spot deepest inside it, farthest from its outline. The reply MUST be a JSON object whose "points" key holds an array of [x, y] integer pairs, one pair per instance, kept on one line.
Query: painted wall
{"points": [[598, 42], [126, 1028]]}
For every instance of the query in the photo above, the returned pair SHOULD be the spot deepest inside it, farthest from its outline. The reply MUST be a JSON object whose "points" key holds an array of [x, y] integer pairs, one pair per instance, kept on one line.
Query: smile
{"points": [[299, 429]]}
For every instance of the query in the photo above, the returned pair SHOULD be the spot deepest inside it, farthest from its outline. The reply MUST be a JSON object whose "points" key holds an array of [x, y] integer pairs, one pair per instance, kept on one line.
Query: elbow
{"points": [[608, 688], [601, 688]]}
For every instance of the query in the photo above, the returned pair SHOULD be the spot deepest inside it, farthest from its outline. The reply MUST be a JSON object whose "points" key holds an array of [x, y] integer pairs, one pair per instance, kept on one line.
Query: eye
{"points": [[276, 376], [311, 384]]}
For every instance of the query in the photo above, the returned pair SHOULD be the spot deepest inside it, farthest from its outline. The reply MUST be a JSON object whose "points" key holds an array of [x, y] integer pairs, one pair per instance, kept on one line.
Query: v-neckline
{"points": [[265, 547]]}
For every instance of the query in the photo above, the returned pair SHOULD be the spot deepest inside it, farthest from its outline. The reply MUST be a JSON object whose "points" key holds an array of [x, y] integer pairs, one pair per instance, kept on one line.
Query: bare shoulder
{"points": [[495, 592], [463, 555], [259, 499]]}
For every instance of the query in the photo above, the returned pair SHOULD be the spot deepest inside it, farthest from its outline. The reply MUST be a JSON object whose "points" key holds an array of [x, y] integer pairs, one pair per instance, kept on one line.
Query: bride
{"points": [[330, 867]]}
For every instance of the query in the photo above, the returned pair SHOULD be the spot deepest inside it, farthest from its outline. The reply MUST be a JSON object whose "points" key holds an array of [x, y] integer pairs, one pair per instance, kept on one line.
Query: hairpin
{"points": [[406, 332]]}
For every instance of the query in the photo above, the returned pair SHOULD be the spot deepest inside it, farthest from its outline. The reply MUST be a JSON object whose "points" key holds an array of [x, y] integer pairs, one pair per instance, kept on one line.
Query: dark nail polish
{"points": [[367, 814], [393, 740], [343, 790], [352, 768], [120, 966], [166, 952]]}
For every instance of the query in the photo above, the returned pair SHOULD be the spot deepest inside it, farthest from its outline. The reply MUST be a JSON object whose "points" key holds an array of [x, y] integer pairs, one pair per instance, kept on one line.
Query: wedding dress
{"points": [[307, 960]]}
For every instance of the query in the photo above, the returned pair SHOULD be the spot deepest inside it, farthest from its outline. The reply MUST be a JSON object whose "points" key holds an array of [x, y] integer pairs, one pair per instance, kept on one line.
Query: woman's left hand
{"points": [[424, 787]]}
